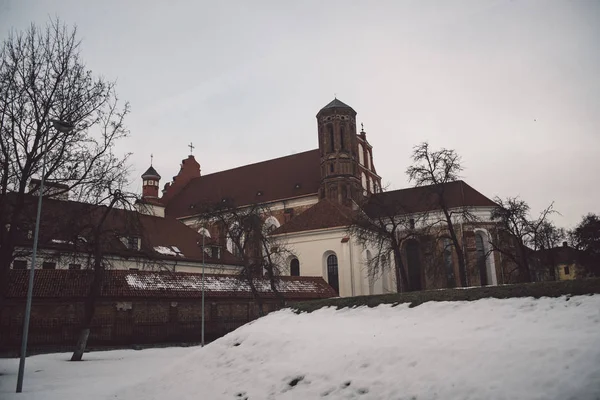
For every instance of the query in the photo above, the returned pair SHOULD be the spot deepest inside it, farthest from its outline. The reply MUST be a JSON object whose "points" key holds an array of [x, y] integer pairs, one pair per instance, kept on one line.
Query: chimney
{"points": [[565, 244]]}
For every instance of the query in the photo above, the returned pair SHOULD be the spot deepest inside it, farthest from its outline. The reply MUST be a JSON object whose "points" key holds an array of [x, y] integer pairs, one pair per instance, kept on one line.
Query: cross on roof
{"points": [[151, 159], [191, 146]]}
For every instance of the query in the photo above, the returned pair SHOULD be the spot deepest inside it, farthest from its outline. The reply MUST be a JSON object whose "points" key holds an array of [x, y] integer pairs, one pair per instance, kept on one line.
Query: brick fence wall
{"points": [[55, 323]]}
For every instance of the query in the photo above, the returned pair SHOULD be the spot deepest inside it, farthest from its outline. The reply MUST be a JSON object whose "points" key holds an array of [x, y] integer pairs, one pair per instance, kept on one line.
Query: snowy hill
{"points": [[487, 349], [521, 348]]}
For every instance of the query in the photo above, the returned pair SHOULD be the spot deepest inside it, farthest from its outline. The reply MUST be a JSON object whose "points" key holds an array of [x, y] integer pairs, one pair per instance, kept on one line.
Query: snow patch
{"points": [[168, 251]]}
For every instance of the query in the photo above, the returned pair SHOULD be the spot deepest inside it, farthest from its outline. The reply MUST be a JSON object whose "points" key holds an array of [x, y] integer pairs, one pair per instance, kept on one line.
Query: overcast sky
{"points": [[513, 86]]}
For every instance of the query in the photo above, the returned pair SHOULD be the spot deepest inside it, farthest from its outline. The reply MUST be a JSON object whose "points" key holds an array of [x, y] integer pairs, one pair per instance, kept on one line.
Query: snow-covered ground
{"points": [[485, 349]]}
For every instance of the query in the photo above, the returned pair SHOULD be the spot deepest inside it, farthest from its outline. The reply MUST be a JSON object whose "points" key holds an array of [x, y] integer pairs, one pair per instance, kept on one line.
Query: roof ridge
{"points": [[249, 165]]}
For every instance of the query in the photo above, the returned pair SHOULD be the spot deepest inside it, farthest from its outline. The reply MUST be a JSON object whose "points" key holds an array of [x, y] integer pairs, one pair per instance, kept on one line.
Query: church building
{"points": [[311, 196]]}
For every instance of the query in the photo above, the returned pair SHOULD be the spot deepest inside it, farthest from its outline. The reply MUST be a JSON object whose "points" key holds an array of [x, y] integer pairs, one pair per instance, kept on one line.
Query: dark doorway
{"points": [[332, 273], [414, 265], [295, 267]]}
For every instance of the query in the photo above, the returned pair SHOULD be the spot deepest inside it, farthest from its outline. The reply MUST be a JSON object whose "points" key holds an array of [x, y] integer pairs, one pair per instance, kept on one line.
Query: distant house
{"points": [[558, 263]]}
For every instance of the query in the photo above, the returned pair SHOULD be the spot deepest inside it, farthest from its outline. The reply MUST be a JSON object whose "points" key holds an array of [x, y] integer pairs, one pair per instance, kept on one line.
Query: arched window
{"points": [[448, 263], [331, 138], [295, 267], [482, 263], [204, 232], [235, 240], [368, 160], [332, 272], [342, 138], [363, 179], [271, 224], [361, 154]]}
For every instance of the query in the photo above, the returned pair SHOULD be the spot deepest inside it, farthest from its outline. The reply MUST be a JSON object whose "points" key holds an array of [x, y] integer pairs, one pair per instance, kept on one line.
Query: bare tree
{"points": [[112, 219], [436, 169], [383, 224], [243, 232], [585, 237], [547, 239], [43, 78], [525, 234]]}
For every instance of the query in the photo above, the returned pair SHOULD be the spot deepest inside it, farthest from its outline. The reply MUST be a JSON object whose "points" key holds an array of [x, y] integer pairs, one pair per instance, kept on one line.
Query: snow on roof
{"points": [[214, 283], [162, 284], [168, 251]]}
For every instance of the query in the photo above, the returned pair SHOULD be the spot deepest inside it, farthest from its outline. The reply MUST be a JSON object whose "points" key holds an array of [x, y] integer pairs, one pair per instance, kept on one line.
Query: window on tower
{"points": [[342, 137], [331, 138]]}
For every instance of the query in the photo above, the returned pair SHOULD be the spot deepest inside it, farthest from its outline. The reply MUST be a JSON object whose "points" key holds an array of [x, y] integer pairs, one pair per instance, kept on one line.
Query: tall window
{"points": [[448, 264], [331, 138], [332, 273], [481, 258], [342, 137], [361, 154], [414, 264], [295, 267]]}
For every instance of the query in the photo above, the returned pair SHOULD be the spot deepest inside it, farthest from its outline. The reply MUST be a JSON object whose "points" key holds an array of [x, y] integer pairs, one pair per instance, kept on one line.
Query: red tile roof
{"points": [[136, 284], [426, 198], [324, 214], [277, 179], [63, 219]]}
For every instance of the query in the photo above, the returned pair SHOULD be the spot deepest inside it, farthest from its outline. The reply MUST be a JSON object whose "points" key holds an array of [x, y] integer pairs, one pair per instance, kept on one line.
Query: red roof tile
{"points": [[276, 179], [136, 284], [324, 214], [426, 198], [61, 219]]}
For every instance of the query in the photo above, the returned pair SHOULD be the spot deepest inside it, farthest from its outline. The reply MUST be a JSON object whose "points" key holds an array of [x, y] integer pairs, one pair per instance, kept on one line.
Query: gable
{"points": [[282, 178]]}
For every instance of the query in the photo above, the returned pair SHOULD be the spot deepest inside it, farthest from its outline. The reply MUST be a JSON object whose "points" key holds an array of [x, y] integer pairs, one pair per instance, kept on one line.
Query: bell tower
{"points": [[150, 180], [340, 175]]}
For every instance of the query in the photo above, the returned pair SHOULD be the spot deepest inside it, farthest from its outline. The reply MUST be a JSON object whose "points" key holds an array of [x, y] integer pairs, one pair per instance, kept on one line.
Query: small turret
{"points": [[150, 180]]}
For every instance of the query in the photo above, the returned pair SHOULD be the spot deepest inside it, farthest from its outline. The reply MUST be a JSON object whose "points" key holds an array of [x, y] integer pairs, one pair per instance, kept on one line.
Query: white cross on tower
{"points": [[191, 146]]}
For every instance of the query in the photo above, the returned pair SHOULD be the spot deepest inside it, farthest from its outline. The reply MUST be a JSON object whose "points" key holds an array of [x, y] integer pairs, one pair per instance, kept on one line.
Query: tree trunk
{"points": [[90, 305], [401, 278], [524, 264], [81, 344]]}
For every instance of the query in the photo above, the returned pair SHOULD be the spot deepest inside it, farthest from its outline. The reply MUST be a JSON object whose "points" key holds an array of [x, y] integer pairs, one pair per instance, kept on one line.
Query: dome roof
{"points": [[337, 104], [150, 173]]}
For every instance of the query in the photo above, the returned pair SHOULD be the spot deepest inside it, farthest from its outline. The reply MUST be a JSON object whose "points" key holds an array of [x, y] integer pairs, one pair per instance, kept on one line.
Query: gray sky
{"points": [[513, 86]]}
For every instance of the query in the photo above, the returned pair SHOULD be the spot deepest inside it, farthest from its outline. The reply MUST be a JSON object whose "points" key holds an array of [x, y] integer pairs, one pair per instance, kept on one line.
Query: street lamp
{"points": [[62, 127], [202, 338]]}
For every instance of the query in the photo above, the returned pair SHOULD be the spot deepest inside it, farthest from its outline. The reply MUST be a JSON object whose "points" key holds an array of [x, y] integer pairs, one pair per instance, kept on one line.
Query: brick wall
{"points": [[117, 322]]}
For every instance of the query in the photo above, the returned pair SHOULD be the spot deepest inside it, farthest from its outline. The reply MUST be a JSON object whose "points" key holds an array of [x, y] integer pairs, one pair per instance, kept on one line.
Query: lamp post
{"points": [[202, 337], [62, 127]]}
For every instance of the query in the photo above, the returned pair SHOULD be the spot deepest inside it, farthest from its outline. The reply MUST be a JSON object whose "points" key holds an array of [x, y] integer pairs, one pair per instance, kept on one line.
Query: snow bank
{"points": [[486, 349], [53, 377]]}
